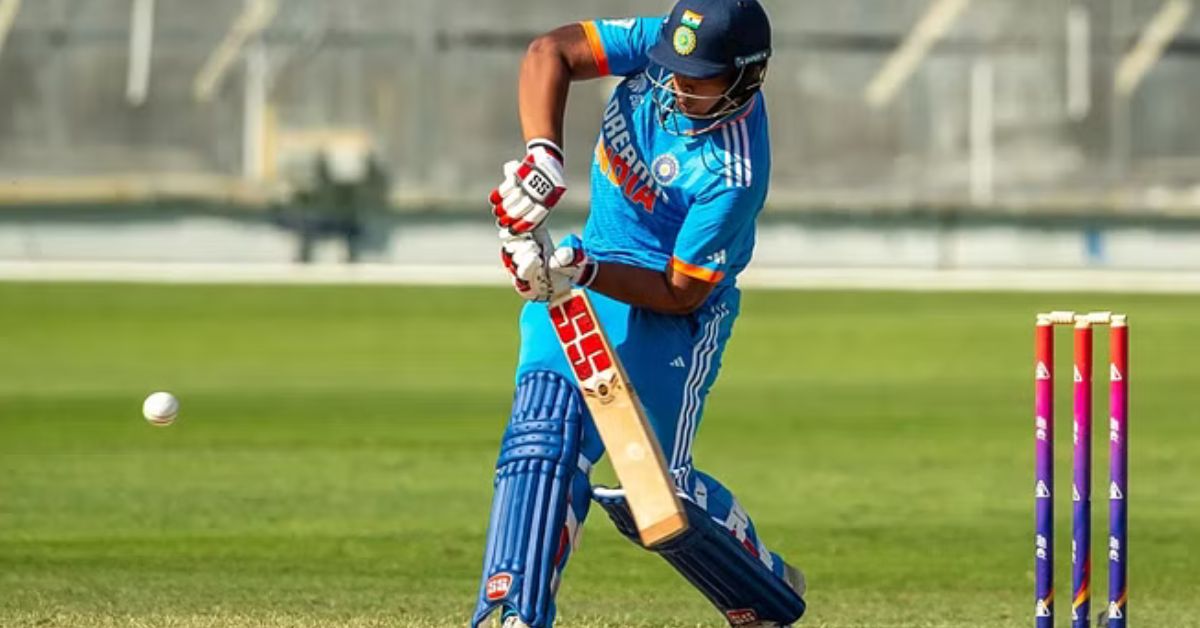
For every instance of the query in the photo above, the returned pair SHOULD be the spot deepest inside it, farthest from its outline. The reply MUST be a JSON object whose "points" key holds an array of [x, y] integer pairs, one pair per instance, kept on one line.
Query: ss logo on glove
{"points": [[530, 189], [539, 184]]}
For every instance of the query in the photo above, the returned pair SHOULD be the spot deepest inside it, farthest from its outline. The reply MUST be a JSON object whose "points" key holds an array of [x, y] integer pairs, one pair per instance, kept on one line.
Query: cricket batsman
{"points": [[679, 174]]}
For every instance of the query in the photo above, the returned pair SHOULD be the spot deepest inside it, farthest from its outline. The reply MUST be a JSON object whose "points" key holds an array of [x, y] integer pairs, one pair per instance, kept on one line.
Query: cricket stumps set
{"points": [[1118, 492]]}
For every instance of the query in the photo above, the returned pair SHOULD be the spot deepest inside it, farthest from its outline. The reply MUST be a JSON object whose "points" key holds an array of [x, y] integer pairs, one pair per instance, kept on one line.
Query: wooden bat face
{"points": [[628, 437]]}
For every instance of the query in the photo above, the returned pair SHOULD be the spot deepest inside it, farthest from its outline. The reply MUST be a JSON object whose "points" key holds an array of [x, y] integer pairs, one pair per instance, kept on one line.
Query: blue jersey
{"points": [[664, 199]]}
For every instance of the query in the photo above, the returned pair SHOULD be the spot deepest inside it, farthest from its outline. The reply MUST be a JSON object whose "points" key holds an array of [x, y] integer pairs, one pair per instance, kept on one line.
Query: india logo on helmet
{"points": [[684, 40]]}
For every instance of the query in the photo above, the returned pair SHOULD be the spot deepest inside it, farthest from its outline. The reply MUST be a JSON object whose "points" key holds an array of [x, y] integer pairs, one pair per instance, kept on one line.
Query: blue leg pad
{"points": [[716, 563], [528, 535]]}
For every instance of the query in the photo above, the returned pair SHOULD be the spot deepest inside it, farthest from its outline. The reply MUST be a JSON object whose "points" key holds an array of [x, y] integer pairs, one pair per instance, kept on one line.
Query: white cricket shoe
{"points": [[514, 622], [795, 579]]}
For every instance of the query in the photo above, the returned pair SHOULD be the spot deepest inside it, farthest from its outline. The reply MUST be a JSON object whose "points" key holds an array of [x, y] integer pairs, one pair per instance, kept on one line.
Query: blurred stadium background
{"points": [[965, 142]]}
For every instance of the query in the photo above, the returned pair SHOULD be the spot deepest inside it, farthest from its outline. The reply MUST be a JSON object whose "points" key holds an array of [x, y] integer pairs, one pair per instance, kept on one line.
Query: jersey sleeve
{"points": [[714, 232], [621, 46]]}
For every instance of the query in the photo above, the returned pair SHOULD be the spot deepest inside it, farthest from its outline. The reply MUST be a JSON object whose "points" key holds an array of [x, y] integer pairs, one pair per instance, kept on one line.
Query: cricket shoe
{"points": [[795, 579], [509, 619]]}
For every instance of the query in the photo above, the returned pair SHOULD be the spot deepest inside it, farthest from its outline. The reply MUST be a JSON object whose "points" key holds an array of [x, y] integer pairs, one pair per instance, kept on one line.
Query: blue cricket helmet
{"points": [[707, 38]]}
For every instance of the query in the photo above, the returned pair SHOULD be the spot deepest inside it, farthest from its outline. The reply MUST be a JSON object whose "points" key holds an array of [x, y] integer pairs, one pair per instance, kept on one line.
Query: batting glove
{"points": [[530, 189], [571, 261], [524, 257]]}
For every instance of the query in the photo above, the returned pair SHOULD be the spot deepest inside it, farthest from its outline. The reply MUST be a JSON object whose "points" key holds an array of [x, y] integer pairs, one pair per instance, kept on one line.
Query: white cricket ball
{"points": [[160, 408]]}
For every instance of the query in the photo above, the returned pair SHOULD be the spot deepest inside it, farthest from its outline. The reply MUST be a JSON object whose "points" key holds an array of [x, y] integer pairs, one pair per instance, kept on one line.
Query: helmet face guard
{"points": [[730, 104]]}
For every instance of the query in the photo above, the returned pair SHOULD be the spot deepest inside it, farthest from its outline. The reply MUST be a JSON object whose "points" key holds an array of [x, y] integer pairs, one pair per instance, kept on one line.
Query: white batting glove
{"points": [[530, 189], [525, 257], [571, 262]]}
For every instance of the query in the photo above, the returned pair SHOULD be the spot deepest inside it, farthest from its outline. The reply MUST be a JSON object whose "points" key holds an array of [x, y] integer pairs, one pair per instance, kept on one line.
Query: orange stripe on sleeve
{"points": [[696, 272], [597, 46]]}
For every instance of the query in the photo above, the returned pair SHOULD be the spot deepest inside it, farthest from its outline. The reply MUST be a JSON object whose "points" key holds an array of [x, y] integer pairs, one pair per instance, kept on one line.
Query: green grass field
{"points": [[331, 465]]}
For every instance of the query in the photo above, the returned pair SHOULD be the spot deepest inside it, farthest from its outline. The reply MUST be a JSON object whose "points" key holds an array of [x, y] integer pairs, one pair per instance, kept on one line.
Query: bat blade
{"points": [[620, 419]]}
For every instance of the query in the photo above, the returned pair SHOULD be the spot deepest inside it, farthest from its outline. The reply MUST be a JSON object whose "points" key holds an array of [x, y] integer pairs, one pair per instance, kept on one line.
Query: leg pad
{"points": [[528, 532], [715, 562]]}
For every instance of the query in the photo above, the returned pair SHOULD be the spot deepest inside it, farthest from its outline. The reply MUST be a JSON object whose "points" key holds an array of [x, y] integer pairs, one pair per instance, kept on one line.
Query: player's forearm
{"points": [[542, 98], [551, 62], [649, 289]]}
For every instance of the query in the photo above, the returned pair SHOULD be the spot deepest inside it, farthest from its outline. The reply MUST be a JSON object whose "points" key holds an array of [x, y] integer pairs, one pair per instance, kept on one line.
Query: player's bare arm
{"points": [[665, 292], [532, 186], [551, 63]]}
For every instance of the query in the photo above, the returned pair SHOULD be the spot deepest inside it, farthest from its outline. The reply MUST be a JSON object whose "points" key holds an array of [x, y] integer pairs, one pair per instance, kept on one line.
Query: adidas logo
{"points": [[1042, 371], [678, 362]]}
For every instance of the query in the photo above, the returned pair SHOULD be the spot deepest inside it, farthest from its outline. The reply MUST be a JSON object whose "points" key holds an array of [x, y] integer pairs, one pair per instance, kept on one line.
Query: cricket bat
{"points": [[620, 418]]}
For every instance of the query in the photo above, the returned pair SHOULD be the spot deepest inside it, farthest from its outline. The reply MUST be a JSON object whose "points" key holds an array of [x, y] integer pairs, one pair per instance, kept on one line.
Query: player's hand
{"points": [[530, 189], [571, 262], [525, 258]]}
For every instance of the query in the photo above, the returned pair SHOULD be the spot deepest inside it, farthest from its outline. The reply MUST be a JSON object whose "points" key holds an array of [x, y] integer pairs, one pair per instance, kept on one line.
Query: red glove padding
{"points": [[530, 189]]}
